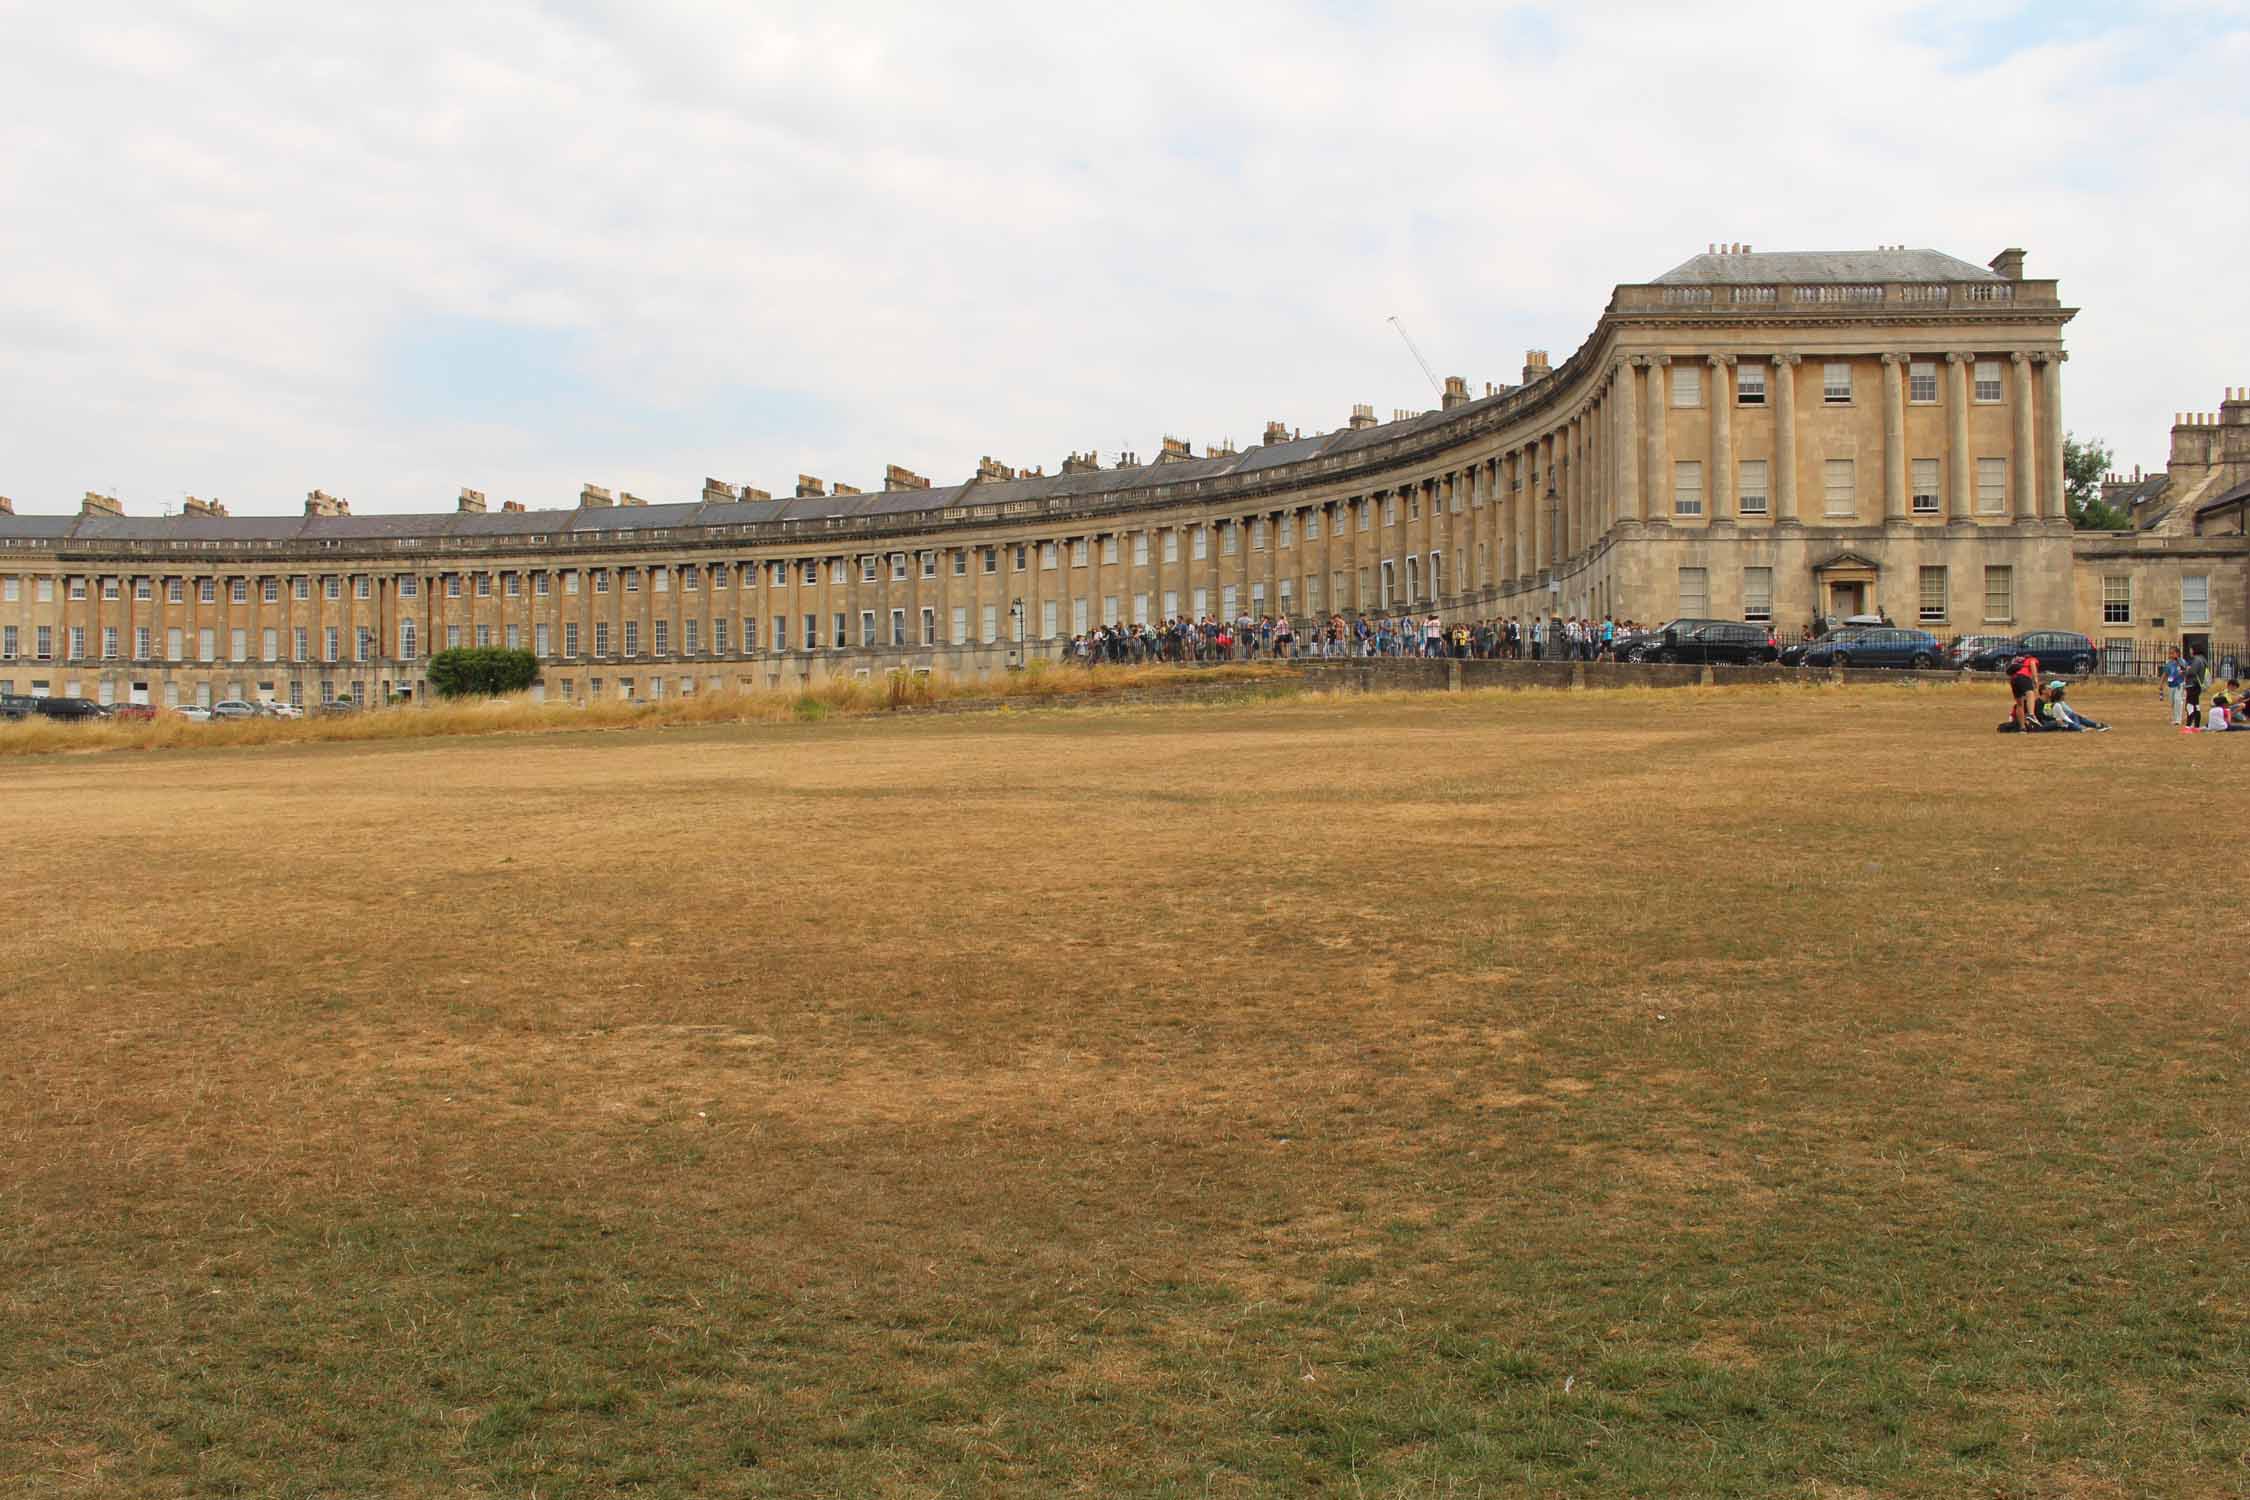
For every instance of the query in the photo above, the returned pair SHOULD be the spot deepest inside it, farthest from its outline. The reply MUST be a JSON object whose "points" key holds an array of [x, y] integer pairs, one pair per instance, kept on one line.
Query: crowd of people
{"points": [[1278, 638]]}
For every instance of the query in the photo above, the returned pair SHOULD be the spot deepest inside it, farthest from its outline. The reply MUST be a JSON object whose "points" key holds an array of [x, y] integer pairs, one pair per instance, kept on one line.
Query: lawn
{"points": [[1774, 1091]]}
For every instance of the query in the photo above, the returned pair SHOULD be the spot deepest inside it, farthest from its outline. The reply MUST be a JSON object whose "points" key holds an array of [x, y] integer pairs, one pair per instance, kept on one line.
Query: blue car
{"points": [[1885, 647]]}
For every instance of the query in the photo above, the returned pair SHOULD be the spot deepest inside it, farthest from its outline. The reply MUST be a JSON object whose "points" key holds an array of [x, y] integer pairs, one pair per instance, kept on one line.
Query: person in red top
{"points": [[2023, 682]]}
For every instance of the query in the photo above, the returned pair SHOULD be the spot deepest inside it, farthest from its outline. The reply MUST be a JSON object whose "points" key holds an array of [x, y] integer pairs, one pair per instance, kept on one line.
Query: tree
{"points": [[2084, 466], [481, 672]]}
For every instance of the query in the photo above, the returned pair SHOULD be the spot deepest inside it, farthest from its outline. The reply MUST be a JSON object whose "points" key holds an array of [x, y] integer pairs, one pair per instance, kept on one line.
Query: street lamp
{"points": [[1015, 646]]}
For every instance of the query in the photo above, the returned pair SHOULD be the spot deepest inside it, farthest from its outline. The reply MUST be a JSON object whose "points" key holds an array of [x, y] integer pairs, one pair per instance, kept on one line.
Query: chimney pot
{"points": [[594, 497], [514, 507], [100, 505], [471, 502], [809, 485]]}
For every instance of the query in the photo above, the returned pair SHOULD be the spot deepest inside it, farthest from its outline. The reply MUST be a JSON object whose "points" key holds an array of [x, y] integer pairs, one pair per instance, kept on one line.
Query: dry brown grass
{"points": [[1750, 1092], [518, 714]]}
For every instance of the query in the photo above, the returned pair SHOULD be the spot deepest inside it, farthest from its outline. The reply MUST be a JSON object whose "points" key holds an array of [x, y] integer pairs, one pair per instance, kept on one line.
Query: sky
{"points": [[252, 249]]}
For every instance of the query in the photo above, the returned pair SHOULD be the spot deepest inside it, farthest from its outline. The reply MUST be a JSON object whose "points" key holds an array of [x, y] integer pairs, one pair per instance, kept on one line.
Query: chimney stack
{"points": [[321, 503], [594, 497], [896, 477], [512, 507], [1535, 366], [1363, 417], [809, 485], [100, 505], [1456, 391], [719, 492], [841, 488], [749, 493], [1175, 450], [1088, 462], [471, 503], [626, 497], [1276, 432], [7, 506], [991, 471], [2009, 264]]}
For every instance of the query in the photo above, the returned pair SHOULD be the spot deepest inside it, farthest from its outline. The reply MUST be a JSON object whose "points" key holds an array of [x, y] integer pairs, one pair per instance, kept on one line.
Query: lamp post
{"points": [[1015, 646], [1554, 539]]}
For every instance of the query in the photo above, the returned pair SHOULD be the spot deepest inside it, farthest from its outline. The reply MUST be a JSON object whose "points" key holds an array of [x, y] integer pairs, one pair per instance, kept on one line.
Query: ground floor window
{"points": [[1695, 591], [2117, 601], [1933, 605], [1757, 595], [1999, 595]]}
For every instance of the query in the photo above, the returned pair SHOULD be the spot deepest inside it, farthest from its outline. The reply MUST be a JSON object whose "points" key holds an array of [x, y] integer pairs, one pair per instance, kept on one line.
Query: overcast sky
{"points": [[256, 248]]}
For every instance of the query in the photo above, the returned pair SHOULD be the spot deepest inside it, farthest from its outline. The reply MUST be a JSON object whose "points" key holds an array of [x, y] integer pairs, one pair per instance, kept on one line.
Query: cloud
{"points": [[258, 248]]}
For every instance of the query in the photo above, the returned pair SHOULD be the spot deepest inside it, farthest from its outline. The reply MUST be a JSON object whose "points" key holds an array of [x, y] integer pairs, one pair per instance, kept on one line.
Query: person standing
{"points": [[2191, 684], [2175, 686]]}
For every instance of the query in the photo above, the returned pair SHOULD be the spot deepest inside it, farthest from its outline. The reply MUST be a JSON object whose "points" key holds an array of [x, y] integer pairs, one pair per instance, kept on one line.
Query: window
{"points": [[8, 640], [109, 643], [1258, 534], [1695, 591], [269, 645], [570, 638], [1836, 384], [1987, 389], [1687, 487], [1172, 544], [206, 590], [809, 574], [300, 644], [1048, 554], [406, 642], [1140, 547], [749, 633], [452, 586], [867, 627], [2117, 601], [173, 643], [1312, 525], [238, 591], [174, 592], [718, 636], [78, 591], [1077, 617], [2195, 599], [1750, 385], [1140, 609], [660, 637], [1687, 385], [630, 580], [484, 585], [332, 587], [960, 562], [300, 587], [1199, 543], [811, 639], [632, 637], [360, 586], [269, 591], [1171, 604], [43, 639], [1023, 554], [1257, 599], [1992, 486], [238, 640], [1921, 381], [1757, 595], [991, 623], [867, 567], [1750, 486], [78, 645], [1364, 509], [363, 646], [1201, 602], [484, 636], [1109, 548], [691, 632], [989, 557], [898, 625], [960, 625], [1925, 486], [143, 640], [1390, 510], [722, 574], [452, 637], [1839, 488], [601, 580], [691, 579], [410, 587], [1078, 553], [929, 627], [1932, 598], [1047, 619], [1999, 595], [835, 575], [601, 637], [11, 590]]}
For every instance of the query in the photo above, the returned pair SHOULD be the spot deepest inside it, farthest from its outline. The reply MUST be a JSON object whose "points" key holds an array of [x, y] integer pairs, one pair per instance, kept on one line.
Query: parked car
{"points": [[1794, 656], [1961, 648], [1879, 647], [68, 708], [234, 708], [344, 705], [2057, 650], [193, 714], [1633, 645], [278, 710], [131, 712], [1726, 642], [17, 705]]}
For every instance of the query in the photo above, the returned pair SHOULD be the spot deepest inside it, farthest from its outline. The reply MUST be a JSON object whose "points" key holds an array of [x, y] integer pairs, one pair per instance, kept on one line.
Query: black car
{"points": [[68, 708], [1724, 642], [17, 705], [2057, 650], [1876, 647], [1794, 656]]}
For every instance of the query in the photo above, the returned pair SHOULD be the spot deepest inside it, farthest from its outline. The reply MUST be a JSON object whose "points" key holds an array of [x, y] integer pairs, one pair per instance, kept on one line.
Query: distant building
{"points": [[1767, 437]]}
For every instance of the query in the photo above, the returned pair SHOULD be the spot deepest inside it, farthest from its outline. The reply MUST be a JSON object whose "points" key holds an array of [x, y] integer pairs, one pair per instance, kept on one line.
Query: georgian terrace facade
{"points": [[1757, 436]]}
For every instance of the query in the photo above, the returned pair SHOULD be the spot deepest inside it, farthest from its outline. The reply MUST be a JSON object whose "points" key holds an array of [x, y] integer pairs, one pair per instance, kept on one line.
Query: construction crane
{"points": [[1427, 372]]}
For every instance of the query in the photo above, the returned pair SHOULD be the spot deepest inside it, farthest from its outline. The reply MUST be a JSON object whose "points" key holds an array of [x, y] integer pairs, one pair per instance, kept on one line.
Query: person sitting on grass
{"points": [[2054, 713]]}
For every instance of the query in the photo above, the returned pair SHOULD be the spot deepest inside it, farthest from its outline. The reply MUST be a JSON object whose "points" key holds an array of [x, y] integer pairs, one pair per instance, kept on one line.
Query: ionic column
{"points": [[1628, 432], [1659, 452], [1552, 553], [1512, 522], [1893, 373], [2027, 452], [2051, 441], [1959, 462], [1721, 487], [1785, 437]]}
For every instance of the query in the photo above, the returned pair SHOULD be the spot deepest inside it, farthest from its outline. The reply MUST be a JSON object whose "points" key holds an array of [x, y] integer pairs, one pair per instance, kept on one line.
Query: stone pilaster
{"points": [[1785, 437], [2026, 458], [1721, 396], [2051, 479], [1893, 373], [1659, 447], [1960, 463]]}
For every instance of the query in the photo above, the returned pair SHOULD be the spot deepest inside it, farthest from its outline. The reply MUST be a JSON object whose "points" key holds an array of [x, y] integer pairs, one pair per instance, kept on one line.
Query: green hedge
{"points": [[481, 672]]}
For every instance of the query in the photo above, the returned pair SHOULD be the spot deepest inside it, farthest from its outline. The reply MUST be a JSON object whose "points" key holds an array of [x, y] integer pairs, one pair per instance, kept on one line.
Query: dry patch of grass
{"points": [[1705, 1093]]}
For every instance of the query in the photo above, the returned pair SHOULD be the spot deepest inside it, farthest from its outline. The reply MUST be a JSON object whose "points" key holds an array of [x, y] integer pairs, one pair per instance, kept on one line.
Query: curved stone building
{"points": [[1759, 436]]}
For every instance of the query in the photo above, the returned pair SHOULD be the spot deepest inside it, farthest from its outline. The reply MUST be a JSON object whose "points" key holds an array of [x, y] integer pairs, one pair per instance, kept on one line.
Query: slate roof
{"points": [[1812, 267]]}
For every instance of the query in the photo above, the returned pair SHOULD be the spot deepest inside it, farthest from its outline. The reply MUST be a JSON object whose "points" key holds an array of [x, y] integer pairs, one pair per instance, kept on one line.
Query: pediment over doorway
{"points": [[1857, 562]]}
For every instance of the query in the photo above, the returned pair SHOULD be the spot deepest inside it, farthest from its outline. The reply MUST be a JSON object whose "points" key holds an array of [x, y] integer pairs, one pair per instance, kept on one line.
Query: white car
{"points": [[282, 710], [194, 715]]}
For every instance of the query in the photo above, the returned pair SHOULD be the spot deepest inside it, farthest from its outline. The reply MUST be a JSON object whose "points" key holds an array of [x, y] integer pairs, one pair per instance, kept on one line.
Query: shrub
{"points": [[481, 672]]}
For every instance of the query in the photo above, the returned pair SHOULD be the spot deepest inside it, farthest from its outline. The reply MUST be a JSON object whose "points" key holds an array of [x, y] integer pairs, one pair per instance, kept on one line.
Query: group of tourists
{"points": [[2185, 682], [1278, 638]]}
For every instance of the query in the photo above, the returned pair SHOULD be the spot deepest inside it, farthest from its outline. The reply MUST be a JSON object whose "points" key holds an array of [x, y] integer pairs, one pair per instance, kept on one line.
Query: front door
{"points": [[1847, 599]]}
